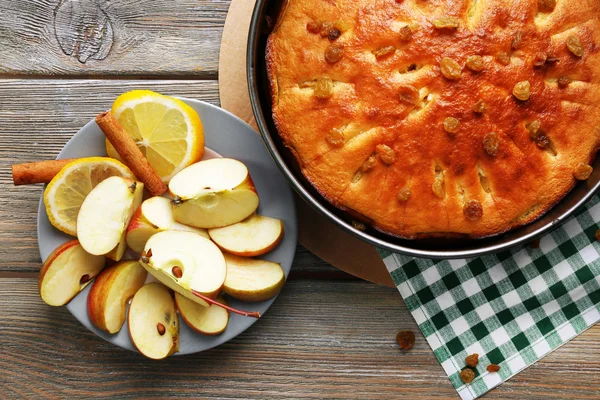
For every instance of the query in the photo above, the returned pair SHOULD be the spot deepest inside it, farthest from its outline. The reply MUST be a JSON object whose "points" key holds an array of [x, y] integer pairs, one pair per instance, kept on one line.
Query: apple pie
{"points": [[439, 118]]}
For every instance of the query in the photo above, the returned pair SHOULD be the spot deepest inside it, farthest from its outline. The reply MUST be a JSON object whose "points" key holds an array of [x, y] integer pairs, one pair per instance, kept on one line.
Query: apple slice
{"points": [[249, 279], [254, 236], [117, 253], [153, 216], [213, 193], [153, 322], [185, 261], [107, 299], [105, 214], [66, 271], [211, 320]]}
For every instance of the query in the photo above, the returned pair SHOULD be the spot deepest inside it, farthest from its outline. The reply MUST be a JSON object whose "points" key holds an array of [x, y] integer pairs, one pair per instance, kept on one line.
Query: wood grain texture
{"points": [[319, 340], [111, 37]]}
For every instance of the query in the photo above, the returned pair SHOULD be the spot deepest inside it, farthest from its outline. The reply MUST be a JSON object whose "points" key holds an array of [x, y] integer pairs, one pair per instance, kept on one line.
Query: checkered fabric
{"points": [[511, 308]]}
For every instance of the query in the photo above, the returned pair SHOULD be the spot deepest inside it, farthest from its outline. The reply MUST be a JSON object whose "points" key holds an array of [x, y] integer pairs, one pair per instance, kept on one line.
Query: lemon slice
{"points": [[67, 190], [167, 131]]}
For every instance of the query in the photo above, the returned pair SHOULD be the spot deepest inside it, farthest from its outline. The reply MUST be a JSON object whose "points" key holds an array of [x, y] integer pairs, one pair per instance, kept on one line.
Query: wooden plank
{"points": [[39, 117], [111, 37], [319, 340]]}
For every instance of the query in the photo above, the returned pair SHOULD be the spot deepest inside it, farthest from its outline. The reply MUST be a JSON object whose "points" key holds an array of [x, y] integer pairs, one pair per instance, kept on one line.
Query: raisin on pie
{"points": [[439, 117]]}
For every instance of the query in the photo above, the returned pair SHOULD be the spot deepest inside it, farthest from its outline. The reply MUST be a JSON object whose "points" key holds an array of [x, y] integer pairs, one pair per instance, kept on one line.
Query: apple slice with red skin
{"points": [[254, 236], [66, 272], [153, 216], [153, 322], [190, 264], [213, 193], [210, 320], [107, 299]]}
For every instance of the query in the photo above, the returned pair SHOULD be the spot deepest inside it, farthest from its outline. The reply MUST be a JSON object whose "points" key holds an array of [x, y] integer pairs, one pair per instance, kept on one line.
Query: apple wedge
{"points": [[213, 193], [153, 216], [185, 262], [153, 322], [105, 214], [249, 279], [210, 320], [254, 236], [66, 272], [107, 299]]}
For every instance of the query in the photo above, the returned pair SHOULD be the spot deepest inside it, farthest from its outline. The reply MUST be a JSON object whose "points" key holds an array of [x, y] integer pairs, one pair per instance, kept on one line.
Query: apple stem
{"points": [[253, 314]]}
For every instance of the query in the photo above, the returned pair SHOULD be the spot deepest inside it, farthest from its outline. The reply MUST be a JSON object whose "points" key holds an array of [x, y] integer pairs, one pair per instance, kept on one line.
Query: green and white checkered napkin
{"points": [[511, 308]]}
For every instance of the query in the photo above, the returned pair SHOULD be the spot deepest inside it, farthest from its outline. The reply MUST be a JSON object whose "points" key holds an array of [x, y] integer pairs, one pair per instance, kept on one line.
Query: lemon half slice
{"points": [[167, 131], [67, 190]]}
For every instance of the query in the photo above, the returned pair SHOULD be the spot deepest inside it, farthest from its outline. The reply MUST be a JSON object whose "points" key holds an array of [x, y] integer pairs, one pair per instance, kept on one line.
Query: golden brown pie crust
{"points": [[492, 173]]}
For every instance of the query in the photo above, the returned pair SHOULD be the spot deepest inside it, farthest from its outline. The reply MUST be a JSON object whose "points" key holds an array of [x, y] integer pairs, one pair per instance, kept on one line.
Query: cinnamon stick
{"points": [[37, 172], [130, 154]]}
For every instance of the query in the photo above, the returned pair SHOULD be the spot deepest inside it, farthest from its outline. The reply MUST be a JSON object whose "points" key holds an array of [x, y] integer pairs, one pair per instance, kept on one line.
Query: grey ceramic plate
{"points": [[231, 137]]}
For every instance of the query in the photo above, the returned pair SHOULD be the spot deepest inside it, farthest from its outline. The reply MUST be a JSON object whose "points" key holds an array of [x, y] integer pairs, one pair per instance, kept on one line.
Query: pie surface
{"points": [[439, 117]]}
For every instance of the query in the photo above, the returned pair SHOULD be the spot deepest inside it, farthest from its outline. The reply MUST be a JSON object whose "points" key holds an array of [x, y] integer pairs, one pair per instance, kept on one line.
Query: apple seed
{"points": [[161, 329], [85, 278], [177, 272]]}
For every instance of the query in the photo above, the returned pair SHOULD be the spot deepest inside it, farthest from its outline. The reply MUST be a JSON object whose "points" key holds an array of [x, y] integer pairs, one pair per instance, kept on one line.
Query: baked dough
{"points": [[367, 95]]}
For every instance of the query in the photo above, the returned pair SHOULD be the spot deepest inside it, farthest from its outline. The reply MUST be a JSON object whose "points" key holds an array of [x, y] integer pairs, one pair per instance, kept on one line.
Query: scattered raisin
{"points": [[450, 68], [542, 141], [446, 22], [503, 58], [409, 94], [334, 53], [438, 187], [574, 45], [539, 60], [384, 51], [493, 368], [564, 81], [314, 27], [517, 41], [368, 164], [405, 34], [386, 154], [474, 211], [479, 107], [582, 171], [325, 28], [404, 194], [324, 88], [335, 137], [475, 63], [359, 225], [472, 360], [522, 90], [533, 128], [333, 34], [546, 5], [597, 235], [491, 143], [405, 339], [451, 125], [467, 375]]}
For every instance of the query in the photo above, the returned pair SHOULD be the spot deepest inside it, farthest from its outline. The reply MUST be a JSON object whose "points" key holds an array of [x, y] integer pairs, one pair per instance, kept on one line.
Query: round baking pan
{"points": [[263, 20]]}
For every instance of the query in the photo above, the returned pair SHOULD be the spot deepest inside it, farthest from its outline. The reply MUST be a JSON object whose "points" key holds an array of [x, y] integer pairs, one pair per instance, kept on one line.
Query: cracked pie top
{"points": [[439, 117]]}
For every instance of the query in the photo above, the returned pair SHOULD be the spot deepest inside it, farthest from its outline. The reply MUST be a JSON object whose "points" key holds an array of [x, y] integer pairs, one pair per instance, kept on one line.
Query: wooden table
{"points": [[328, 335]]}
